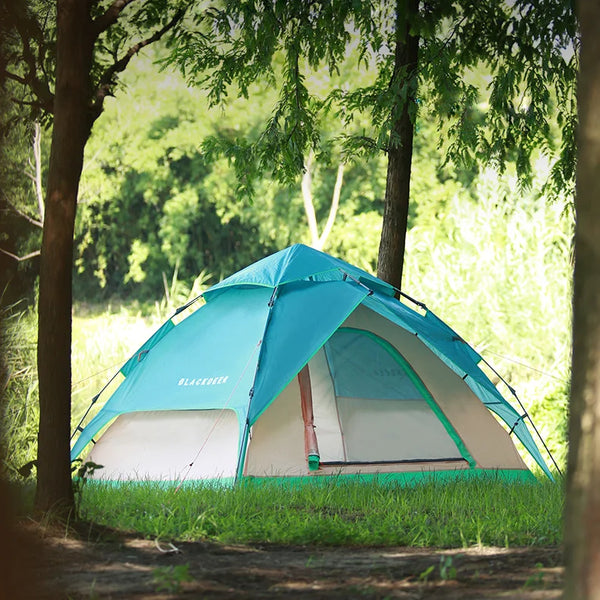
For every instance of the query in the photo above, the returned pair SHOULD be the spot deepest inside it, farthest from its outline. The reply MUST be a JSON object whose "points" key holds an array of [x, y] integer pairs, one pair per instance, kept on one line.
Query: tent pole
{"points": [[311, 447]]}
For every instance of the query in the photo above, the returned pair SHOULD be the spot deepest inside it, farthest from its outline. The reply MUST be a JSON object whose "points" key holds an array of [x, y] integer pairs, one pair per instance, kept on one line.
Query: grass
{"points": [[431, 514]]}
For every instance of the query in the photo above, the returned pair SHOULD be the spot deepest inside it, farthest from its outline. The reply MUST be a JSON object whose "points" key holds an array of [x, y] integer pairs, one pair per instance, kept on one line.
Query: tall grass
{"points": [[19, 419], [449, 514], [102, 340]]}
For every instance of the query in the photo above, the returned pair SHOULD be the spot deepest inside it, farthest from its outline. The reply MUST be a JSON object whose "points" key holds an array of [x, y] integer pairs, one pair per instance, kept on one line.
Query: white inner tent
{"points": [[168, 445]]}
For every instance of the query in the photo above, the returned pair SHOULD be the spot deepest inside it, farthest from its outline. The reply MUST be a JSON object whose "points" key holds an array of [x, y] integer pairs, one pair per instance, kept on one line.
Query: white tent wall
{"points": [[383, 430], [327, 421], [161, 446], [276, 446]]}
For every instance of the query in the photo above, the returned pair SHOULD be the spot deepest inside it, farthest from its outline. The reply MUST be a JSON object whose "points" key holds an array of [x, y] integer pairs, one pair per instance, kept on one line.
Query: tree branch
{"points": [[107, 78], [35, 103], [309, 207], [20, 258], [24, 215], [16, 78], [110, 16], [335, 202], [28, 29]]}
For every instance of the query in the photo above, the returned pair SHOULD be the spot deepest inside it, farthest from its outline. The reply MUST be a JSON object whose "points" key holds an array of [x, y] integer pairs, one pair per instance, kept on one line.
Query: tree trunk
{"points": [[395, 214], [72, 127], [582, 525]]}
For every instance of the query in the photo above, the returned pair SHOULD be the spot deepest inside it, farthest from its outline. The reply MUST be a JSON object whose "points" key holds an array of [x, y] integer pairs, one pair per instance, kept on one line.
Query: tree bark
{"points": [[582, 525], [397, 192], [72, 127]]}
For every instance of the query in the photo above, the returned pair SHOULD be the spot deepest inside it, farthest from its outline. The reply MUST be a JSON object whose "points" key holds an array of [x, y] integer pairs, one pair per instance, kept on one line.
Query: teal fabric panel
{"points": [[303, 318], [447, 340], [298, 263], [207, 361], [139, 354], [265, 272]]}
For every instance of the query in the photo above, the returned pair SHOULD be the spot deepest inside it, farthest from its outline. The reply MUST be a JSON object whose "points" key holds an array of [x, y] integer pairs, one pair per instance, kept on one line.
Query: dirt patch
{"points": [[97, 563]]}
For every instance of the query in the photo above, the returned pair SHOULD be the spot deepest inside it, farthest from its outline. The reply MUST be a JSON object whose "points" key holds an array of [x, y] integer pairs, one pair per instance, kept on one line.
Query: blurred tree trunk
{"points": [[582, 522], [72, 126], [397, 192]]}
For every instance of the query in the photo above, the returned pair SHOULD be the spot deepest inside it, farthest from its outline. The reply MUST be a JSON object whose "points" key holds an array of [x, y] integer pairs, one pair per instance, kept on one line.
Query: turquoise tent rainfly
{"points": [[386, 389]]}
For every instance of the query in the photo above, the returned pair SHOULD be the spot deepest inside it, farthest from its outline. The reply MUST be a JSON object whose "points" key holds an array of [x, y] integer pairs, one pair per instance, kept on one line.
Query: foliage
{"points": [[20, 221], [94, 43], [30, 37], [18, 426], [189, 214], [550, 410], [528, 54]]}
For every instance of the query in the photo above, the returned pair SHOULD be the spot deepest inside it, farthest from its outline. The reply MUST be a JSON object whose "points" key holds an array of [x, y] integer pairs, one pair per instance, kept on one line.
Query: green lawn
{"points": [[432, 514]]}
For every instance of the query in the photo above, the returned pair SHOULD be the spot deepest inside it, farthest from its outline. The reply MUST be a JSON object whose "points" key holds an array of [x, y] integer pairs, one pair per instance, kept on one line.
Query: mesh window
{"points": [[363, 368]]}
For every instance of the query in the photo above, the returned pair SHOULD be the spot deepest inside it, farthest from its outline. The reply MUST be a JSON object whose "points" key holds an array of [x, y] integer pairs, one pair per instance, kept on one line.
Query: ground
{"points": [[95, 563]]}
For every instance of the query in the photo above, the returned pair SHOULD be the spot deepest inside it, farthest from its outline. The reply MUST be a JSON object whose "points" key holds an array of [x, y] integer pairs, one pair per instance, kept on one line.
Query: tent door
{"points": [[371, 407]]}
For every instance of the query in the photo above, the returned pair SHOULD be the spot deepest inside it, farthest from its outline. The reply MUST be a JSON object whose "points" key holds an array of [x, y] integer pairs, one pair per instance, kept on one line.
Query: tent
{"points": [[303, 366]]}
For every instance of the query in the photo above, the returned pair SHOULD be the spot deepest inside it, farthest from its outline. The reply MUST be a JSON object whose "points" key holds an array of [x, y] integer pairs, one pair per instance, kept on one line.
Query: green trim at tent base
{"points": [[407, 479]]}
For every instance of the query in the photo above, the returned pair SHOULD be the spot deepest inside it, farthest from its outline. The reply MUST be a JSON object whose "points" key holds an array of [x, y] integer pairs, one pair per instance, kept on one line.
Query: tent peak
{"points": [[299, 263]]}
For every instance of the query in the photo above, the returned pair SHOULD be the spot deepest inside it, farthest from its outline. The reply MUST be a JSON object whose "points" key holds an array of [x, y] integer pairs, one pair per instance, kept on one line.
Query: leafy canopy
{"points": [[527, 48]]}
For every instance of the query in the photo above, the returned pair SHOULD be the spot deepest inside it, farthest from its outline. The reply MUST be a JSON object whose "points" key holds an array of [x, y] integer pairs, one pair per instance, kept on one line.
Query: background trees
{"points": [[419, 60]]}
